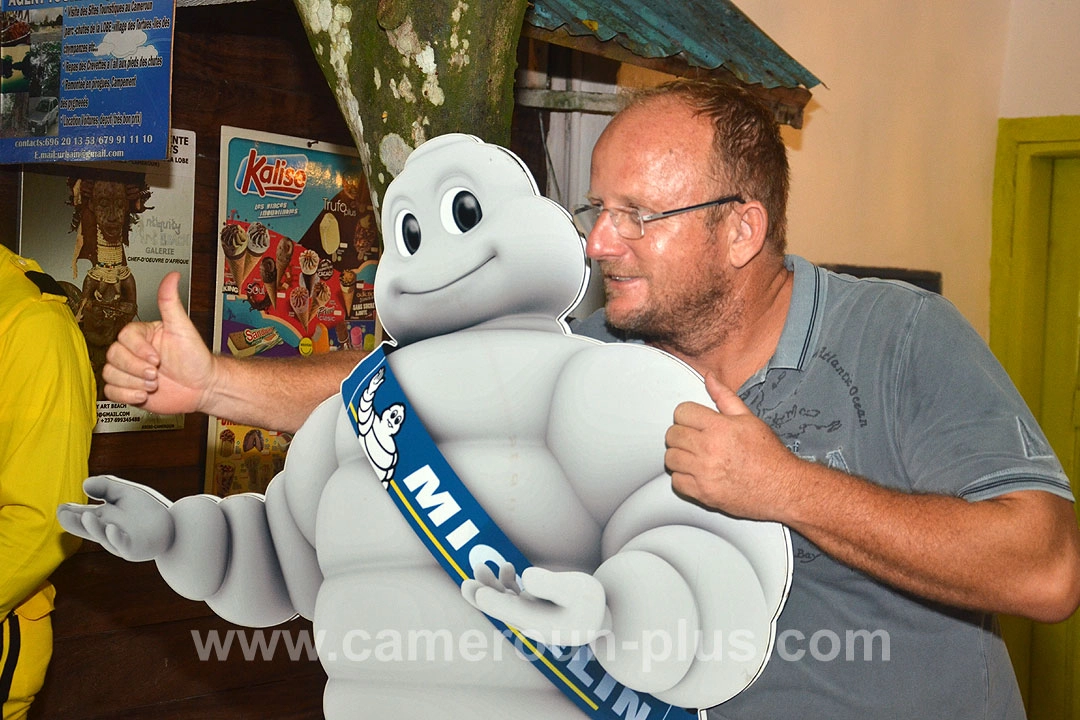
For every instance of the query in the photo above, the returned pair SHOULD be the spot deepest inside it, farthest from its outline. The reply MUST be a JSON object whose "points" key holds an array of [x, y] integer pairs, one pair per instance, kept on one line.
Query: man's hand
{"points": [[728, 459], [554, 608], [162, 366]]}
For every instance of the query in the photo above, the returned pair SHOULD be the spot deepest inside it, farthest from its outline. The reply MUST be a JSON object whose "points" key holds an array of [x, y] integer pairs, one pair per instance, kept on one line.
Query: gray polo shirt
{"points": [[888, 382]]}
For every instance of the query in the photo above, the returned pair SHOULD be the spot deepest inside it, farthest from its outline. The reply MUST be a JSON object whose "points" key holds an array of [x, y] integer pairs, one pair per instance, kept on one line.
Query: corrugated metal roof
{"points": [[705, 33]]}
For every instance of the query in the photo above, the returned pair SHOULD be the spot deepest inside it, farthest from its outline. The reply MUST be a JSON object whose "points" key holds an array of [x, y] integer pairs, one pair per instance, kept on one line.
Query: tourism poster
{"points": [[298, 246], [85, 80], [108, 233]]}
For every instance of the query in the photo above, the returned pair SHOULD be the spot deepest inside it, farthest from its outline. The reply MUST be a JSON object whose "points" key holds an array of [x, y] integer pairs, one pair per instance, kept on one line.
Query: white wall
{"points": [[894, 164], [1042, 59]]}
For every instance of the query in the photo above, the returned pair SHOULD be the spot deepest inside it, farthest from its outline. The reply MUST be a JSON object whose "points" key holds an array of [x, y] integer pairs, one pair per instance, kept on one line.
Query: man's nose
{"points": [[604, 241]]}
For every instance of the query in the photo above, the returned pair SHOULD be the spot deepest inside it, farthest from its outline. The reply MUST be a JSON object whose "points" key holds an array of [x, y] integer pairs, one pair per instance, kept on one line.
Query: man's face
{"points": [[671, 285]]}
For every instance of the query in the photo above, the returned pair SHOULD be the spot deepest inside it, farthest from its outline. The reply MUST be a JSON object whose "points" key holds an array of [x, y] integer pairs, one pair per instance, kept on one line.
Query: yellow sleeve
{"points": [[47, 414]]}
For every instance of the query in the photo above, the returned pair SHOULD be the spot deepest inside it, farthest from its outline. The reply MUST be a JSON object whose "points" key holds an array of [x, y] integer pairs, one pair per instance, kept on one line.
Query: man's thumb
{"points": [[727, 401], [169, 303]]}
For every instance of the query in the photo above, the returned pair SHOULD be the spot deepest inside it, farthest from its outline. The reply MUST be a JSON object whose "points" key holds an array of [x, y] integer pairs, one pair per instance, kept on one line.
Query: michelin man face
{"points": [[469, 239], [392, 418]]}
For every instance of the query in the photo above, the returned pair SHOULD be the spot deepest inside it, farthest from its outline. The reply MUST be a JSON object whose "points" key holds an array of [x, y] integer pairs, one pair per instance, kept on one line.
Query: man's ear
{"points": [[751, 225]]}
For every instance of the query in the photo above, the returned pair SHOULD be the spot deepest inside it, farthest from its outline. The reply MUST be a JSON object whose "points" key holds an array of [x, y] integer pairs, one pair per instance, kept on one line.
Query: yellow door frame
{"points": [[1047, 658]]}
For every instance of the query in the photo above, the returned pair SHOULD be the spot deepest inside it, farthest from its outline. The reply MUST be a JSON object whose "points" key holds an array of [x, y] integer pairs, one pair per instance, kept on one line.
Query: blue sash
{"points": [[455, 529]]}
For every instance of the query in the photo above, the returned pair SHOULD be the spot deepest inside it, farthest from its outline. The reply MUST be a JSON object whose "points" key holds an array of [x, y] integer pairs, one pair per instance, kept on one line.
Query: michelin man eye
{"points": [[459, 210], [408, 234], [466, 210]]}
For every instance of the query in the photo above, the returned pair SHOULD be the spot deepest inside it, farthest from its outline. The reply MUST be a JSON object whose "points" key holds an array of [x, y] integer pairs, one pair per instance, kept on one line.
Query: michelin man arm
{"points": [[218, 551], [647, 612], [193, 542], [683, 602], [366, 410], [248, 557], [566, 608]]}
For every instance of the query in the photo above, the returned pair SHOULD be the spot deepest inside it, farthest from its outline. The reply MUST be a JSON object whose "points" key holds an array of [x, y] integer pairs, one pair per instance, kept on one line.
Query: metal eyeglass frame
{"points": [[586, 216]]}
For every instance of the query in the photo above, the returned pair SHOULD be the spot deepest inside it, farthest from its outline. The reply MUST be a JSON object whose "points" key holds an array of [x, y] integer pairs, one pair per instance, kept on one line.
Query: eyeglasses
{"points": [[629, 222]]}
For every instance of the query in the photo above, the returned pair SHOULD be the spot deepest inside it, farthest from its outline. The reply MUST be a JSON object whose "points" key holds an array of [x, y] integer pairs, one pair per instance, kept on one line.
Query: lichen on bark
{"points": [[404, 71]]}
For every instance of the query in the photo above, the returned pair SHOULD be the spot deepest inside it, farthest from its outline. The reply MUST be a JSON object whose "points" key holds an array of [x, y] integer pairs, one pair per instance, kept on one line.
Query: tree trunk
{"points": [[404, 71]]}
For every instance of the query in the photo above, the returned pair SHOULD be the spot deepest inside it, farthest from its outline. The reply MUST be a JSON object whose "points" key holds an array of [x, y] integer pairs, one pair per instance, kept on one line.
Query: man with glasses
{"points": [[867, 416]]}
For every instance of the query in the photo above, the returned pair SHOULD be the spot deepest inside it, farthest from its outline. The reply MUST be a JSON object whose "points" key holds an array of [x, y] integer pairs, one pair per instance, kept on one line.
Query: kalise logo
{"points": [[282, 176]]}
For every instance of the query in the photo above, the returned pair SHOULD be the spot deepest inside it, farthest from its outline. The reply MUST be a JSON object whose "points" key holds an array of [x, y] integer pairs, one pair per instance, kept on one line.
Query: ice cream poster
{"points": [[85, 80], [108, 233], [298, 246]]}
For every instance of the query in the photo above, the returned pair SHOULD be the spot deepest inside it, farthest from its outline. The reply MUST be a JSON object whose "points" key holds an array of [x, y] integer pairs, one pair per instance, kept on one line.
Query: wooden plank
{"points": [[116, 452], [297, 698], [9, 188], [569, 101]]}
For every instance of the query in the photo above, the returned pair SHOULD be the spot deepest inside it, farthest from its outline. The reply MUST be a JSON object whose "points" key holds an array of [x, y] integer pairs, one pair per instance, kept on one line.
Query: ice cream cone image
{"points": [[234, 243], [258, 244], [320, 294], [283, 258], [300, 302], [269, 274], [227, 443], [246, 266], [224, 476], [309, 263], [348, 290]]}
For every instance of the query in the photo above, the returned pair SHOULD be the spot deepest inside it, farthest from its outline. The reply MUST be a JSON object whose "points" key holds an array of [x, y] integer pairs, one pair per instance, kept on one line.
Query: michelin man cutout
{"points": [[558, 438]]}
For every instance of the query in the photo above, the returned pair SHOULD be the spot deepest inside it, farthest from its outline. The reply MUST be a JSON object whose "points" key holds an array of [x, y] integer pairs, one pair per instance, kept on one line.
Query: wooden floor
{"points": [[124, 648]]}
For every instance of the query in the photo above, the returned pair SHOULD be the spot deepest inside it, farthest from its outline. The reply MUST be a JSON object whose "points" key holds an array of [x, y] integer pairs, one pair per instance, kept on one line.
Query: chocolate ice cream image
{"points": [[284, 254], [234, 243], [269, 274]]}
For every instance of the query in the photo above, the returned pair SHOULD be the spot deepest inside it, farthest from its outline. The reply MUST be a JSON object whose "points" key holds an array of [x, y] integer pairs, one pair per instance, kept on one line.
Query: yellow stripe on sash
{"points": [[524, 640]]}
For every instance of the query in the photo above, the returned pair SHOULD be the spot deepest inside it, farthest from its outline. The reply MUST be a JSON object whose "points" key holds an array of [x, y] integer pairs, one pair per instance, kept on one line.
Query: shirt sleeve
{"points": [[46, 419], [964, 429]]}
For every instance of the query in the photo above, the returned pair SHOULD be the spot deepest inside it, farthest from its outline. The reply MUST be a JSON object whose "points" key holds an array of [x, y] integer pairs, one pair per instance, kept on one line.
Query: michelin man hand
{"points": [[554, 608], [132, 522]]}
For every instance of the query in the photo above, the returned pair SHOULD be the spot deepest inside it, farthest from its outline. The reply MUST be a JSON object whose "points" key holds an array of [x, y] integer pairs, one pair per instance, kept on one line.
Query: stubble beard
{"points": [[688, 322]]}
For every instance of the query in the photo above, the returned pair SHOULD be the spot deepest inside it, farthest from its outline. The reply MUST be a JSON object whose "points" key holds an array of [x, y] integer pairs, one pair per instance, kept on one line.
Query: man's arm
{"points": [[1018, 553], [165, 367]]}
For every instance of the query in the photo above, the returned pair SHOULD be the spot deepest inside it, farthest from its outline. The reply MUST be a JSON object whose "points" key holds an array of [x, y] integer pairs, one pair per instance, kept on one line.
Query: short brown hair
{"points": [[748, 152]]}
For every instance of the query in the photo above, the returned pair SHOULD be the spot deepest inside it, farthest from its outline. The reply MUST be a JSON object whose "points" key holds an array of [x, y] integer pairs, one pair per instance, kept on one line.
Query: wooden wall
{"points": [[124, 646]]}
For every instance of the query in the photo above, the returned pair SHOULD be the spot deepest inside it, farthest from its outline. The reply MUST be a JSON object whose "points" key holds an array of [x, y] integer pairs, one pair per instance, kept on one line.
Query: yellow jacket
{"points": [[47, 414]]}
